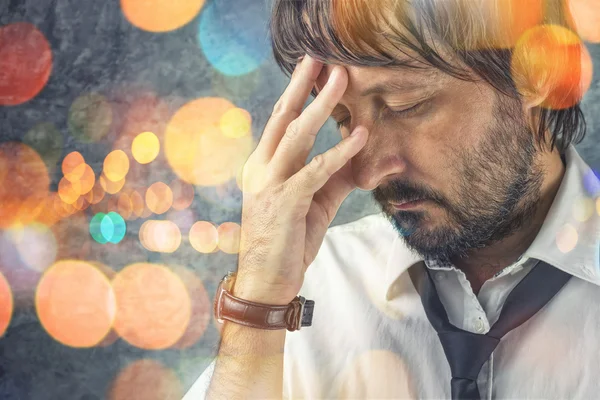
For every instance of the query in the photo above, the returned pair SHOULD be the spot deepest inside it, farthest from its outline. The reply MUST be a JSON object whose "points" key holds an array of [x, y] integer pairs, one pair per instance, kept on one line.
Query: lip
{"points": [[408, 204]]}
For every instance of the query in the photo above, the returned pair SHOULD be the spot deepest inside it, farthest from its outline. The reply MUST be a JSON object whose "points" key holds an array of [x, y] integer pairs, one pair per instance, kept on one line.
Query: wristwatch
{"points": [[293, 316]]}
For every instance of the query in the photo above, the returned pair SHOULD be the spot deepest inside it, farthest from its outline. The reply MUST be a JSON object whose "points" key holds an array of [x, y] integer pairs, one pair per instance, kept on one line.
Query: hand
{"points": [[288, 204]]}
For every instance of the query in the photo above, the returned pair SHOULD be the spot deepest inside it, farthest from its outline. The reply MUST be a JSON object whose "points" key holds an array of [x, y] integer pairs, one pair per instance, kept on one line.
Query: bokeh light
{"points": [[145, 379], [160, 15], [49, 216], [25, 63], [236, 123], [201, 308], [90, 117], [113, 227], [106, 228], [566, 238], [197, 149], [47, 140], [137, 203], [153, 306], [109, 186], [238, 48], [35, 244], [20, 277], [586, 18], [591, 183], [160, 236], [159, 198], [204, 237], [69, 191], [139, 111], [73, 166], [583, 208], [6, 304], [550, 62], [124, 205], [95, 195], [24, 184], [87, 180], [145, 147], [116, 165], [75, 303], [229, 237], [183, 194]]}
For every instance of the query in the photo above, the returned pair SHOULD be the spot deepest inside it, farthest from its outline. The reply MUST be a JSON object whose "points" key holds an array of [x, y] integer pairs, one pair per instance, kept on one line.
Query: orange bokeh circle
{"points": [[153, 306], [201, 308], [229, 237], [116, 165], [160, 15], [196, 148], [183, 194], [73, 166], [551, 62], [75, 303], [6, 304], [145, 379], [160, 236], [25, 63], [25, 184], [204, 237], [159, 198]]}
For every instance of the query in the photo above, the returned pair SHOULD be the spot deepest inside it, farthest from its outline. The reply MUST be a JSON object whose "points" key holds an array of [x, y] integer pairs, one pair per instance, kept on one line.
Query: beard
{"points": [[497, 190]]}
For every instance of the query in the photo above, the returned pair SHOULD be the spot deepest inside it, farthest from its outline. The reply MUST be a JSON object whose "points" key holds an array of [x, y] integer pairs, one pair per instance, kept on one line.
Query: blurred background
{"points": [[123, 128]]}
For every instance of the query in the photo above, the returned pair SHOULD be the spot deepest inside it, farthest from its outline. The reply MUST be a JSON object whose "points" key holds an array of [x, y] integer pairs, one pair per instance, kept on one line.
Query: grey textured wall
{"points": [[95, 48]]}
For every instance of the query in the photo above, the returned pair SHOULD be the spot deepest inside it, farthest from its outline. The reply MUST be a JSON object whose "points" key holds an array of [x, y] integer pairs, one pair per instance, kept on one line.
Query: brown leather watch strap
{"points": [[293, 316]]}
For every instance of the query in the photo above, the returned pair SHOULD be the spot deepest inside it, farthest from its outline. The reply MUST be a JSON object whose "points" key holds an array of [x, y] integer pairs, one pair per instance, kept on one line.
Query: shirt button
{"points": [[439, 276], [478, 325]]}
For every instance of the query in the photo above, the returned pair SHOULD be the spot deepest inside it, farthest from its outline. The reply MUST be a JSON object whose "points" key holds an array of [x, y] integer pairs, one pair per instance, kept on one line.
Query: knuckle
{"points": [[320, 164], [318, 161], [293, 129], [282, 109], [278, 107]]}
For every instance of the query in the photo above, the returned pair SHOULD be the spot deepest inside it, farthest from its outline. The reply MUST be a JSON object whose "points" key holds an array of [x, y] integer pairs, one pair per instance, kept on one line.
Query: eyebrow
{"points": [[392, 85]]}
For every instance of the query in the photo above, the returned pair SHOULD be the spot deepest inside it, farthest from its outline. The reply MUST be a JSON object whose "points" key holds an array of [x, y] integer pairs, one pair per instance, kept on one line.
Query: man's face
{"points": [[461, 147]]}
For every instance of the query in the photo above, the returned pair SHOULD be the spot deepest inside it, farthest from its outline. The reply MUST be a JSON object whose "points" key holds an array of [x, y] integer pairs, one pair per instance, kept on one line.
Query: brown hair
{"points": [[391, 33]]}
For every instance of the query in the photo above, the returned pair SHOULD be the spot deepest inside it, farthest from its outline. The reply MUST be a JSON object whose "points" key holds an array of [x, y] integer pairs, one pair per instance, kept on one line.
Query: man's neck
{"points": [[483, 264]]}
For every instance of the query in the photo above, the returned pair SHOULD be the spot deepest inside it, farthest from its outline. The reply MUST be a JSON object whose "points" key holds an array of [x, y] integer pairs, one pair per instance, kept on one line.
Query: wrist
{"points": [[252, 289]]}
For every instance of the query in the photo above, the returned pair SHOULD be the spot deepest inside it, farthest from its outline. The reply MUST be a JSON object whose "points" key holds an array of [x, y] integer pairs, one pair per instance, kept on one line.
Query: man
{"points": [[480, 277]]}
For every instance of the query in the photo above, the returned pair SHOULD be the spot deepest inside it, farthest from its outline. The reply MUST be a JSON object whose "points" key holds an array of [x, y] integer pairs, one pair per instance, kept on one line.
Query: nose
{"points": [[379, 160]]}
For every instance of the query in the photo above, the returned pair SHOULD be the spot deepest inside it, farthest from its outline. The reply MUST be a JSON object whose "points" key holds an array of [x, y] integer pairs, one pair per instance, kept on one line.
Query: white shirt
{"points": [[370, 337]]}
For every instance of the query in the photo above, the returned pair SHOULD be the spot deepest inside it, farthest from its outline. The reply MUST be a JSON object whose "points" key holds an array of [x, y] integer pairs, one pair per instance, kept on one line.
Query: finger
{"points": [[322, 167], [331, 196], [301, 133], [289, 106]]}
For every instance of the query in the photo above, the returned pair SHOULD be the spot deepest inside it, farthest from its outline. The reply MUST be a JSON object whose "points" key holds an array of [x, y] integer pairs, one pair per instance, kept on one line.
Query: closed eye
{"points": [[405, 113]]}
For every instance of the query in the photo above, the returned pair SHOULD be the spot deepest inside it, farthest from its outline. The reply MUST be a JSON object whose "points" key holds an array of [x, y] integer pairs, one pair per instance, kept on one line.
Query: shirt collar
{"points": [[568, 238]]}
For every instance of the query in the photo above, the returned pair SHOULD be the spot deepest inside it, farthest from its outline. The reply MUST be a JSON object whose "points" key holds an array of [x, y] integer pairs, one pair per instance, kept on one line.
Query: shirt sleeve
{"points": [[200, 387]]}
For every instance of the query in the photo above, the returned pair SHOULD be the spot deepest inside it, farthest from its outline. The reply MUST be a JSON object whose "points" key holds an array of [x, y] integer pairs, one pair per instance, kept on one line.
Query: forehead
{"points": [[364, 81]]}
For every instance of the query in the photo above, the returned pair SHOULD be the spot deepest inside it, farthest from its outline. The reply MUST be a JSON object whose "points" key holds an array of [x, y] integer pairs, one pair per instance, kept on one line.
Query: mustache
{"points": [[401, 191]]}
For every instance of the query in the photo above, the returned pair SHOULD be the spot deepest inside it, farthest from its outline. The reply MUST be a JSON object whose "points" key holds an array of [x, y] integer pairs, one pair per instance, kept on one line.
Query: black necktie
{"points": [[467, 352]]}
